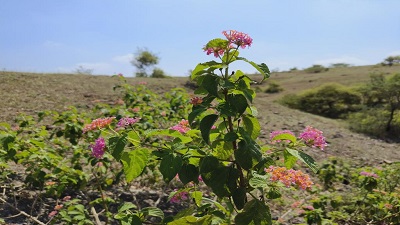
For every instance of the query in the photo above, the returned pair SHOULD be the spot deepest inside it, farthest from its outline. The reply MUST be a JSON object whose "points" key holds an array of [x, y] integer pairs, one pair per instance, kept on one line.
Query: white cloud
{"points": [[127, 58], [342, 59]]}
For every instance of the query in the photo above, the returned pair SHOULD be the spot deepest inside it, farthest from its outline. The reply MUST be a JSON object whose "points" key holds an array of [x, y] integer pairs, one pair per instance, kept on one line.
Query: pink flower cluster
{"points": [[369, 174], [196, 101], [98, 148], [290, 177], [98, 123], [217, 51], [313, 137], [275, 133], [126, 121], [179, 196], [182, 126], [239, 38]]}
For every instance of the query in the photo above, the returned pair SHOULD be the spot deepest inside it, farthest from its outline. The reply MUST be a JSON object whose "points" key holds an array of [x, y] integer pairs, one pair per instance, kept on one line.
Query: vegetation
{"points": [[316, 69], [144, 61], [273, 87], [391, 60]]}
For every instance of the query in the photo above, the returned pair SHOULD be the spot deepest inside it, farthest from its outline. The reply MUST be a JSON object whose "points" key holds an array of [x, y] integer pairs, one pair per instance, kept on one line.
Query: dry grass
{"points": [[30, 93]]}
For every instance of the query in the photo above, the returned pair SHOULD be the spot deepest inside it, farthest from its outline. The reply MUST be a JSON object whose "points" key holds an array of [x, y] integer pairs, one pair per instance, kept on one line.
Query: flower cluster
{"points": [[238, 38], [196, 101], [275, 133], [182, 127], [126, 121], [313, 137], [217, 51], [98, 123], [98, 148], [290, 177], [369, 174], [179, 196]]}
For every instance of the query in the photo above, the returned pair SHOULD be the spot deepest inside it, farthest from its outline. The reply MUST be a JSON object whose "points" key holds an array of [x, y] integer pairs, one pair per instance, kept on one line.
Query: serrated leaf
{"points": [[259, 181], [262, 68], [285, 136], [116, 145], [134, 162], [255, 212], [126, 206], [205, 126], [238, 102], [153, 211], [170, 166], [134, 138], [251, 125], [210, 83], [247, 154], [308, 160]]}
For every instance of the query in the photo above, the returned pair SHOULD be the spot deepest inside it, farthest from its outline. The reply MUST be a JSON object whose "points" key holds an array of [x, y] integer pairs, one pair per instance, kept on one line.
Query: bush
{"points": [[316, 69], [273, 88], [330, 100], [158, 73]]}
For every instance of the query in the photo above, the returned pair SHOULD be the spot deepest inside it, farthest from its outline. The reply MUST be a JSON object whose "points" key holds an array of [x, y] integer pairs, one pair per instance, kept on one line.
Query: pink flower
{"points": [[126, 121], [136, 109], [182, 127], [67, 198], [313, 137], [275, 133], [308, 207], [53, 213], [290, 177], [369, 174], [142, 83], [196, 101], [98, 123], [218, 52], [238, 38], [98, 148], [120, 75], [179, 196]]}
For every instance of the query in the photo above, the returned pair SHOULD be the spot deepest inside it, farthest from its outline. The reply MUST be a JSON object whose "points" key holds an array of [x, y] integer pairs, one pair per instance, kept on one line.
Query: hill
{"points": [[30, 93]]}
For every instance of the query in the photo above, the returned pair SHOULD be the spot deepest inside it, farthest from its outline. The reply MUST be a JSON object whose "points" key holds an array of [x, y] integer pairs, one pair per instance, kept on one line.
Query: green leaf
{"points": [[208, 164], [134, 138], [230, 136], [195, 113], [189, 173], [116, 145], [197, 196], [308, 160], [170, 166], [238, 102], [126, 206], [239, 197], [259, 181], [153, 211], [205, 126], [248, 154], [251, 125], [285, 136], [134, 162], [210, 83], [255, 212], [273, 193], [290, 160], [262, 68]]}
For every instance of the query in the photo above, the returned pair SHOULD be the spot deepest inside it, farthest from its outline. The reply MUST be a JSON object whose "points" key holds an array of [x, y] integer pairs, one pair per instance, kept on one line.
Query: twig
{"points": [[22, 212], [95, 215]]}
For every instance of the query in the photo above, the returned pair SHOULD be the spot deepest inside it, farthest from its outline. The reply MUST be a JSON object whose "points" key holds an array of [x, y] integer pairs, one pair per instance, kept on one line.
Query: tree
{"points": [[383, 92], [389, 61], [144, 60]]}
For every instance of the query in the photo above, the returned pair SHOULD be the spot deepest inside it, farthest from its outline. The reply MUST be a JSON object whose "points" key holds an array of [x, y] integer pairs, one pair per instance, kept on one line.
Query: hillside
{"points": [[30, 93]]}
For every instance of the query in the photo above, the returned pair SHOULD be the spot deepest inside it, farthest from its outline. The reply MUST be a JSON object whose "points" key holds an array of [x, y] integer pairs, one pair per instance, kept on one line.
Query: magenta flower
{"points": [[218, 52], [313, 137], [275, 133], [369, 174], [98, 148], [182, 127], [126, 121], [239, 38], [179, 196]]}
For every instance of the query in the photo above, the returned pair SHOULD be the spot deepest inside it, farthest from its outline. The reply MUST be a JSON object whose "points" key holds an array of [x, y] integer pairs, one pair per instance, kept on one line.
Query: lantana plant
{"points": [[227, 176]]}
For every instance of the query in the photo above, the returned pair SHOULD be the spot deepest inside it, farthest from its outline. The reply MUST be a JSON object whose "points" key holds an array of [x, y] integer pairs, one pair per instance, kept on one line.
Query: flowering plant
{"points": [[218, 143]]}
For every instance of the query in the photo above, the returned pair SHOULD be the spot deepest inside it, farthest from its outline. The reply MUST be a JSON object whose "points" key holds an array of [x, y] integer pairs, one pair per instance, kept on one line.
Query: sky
{"points": [[60, 36]]}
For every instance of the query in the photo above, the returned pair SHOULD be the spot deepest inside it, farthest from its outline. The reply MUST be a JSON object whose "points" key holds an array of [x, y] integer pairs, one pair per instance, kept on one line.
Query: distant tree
{"points": [[316, 69], [82, 70], [293, 69], [340, 65], [389, 61], [158, 73], [385, 93], [144, 60]]}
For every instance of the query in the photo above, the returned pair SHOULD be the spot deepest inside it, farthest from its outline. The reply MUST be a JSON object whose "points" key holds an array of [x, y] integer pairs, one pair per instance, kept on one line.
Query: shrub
{"points": [[273, 88], [330, 100], [158, 73], [316, 69]]}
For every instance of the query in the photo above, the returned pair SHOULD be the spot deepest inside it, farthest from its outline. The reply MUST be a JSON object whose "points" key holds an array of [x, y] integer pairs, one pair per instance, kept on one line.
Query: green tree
{"points": [[389, 61], [383, 92], [144, 60]]}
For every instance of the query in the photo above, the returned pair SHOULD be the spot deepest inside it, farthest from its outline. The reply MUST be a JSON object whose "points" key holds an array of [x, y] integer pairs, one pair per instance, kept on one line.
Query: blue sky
{"points": [[61, 35]]}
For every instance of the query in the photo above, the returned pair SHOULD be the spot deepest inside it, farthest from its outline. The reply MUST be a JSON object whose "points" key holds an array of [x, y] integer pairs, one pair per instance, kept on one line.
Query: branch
{"points": [[95, 215], [22, 212]]}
